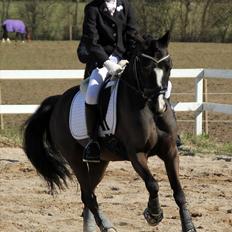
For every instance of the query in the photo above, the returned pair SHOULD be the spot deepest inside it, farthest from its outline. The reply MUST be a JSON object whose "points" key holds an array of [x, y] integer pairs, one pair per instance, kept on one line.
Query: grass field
{"points": [[62, 55]]}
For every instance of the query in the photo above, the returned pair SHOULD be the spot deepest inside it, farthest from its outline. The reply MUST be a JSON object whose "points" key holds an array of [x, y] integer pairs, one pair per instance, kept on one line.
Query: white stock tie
{"points": [[111, 5]]}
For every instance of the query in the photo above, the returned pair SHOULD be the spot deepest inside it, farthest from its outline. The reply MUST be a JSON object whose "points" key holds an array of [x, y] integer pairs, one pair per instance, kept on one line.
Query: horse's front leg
{"points": [[153, 213], [171, 159]]}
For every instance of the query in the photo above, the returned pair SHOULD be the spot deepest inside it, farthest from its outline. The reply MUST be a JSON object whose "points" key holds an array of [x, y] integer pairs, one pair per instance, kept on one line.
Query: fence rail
{"points": [[198, 106]]}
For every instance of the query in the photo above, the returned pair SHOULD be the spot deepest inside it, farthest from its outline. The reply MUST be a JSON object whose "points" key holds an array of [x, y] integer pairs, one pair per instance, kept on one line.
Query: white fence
{"points": [[198, 106]]}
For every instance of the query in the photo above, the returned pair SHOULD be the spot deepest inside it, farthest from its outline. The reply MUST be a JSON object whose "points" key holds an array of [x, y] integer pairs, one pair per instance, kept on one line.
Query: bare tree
{"points": [[155, 16], [36, 14], [4, 8], [220, 21], [185, 9], [205, 12], [189, 20], [75, 19]]}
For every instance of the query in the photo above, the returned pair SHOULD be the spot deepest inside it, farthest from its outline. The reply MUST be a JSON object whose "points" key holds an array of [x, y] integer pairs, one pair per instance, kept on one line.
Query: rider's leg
{"points": [[98, 75], [92, 150]]}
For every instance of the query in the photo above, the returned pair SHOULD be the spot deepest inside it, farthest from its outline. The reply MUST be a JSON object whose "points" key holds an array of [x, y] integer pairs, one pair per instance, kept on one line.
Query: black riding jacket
{"points": [[104, 34]]}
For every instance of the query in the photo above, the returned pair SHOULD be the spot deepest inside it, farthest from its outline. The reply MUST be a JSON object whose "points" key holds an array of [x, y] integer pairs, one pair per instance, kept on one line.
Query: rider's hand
{"points": [[123, 63], [112, 67]]}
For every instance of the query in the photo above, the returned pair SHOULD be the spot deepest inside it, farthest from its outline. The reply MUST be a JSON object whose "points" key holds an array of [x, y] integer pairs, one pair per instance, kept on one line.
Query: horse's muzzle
{"points": [[161, 104]]}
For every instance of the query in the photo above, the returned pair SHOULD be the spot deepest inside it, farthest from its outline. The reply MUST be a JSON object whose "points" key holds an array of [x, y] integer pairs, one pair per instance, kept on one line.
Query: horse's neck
{"points": [[129, 91], [129, 75]]}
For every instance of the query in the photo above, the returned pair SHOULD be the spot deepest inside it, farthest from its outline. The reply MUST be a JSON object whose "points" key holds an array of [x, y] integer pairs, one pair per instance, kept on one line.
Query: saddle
{"points": [[107, 107], [107, 104]]}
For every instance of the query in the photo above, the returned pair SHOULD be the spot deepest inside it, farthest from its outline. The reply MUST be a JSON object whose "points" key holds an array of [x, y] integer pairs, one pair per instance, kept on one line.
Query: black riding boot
{"points": [[92, 150]]}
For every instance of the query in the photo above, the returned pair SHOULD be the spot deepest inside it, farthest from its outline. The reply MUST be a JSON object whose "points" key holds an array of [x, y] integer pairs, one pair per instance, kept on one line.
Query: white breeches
{"points": [[96, 80]]}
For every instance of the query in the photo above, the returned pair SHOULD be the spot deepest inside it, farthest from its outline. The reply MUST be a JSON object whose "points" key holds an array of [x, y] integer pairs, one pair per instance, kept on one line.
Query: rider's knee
{"points": [[96, 79]]}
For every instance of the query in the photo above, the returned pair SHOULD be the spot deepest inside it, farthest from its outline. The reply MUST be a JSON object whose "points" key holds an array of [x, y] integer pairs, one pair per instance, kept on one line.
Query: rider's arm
{"points": [[131, 30], [92, 35]]}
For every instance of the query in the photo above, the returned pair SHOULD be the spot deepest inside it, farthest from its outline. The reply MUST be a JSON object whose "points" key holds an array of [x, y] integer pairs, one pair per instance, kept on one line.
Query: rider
{"points": [[108, 31]]}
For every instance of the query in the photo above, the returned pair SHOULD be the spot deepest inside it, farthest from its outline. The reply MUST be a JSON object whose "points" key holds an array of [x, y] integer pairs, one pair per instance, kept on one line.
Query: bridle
{"points": [[140, 90], [154, 59]]}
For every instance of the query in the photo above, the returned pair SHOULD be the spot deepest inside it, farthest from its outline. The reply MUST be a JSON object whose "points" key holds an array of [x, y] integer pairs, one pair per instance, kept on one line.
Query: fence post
{"points": [[1, 115], [205, 99], [199, 99]]}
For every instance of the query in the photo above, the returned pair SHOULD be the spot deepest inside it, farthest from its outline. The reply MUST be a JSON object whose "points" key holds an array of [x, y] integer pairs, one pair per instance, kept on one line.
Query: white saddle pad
{"points": [[77, 122]]}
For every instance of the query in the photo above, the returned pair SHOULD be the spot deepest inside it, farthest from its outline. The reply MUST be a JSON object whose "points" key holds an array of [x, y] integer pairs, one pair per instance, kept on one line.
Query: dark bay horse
{"points": [[146, 127], [14, 25]]}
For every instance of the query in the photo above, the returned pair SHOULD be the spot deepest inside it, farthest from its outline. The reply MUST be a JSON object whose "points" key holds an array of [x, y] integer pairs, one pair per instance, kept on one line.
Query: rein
{"points": [[137, 90]]}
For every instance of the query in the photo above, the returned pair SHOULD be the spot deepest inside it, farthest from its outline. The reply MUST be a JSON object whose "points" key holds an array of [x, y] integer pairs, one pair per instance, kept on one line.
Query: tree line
{"points": [[188, 20]]}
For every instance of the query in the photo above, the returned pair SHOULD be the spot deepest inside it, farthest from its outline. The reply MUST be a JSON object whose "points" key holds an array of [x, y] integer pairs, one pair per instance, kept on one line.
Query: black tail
{"points": [[39, 149]]}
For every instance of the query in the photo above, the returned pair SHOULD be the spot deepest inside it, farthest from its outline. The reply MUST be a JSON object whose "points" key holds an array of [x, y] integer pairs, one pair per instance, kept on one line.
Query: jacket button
{"points": [[113, 25], [114, 34]]}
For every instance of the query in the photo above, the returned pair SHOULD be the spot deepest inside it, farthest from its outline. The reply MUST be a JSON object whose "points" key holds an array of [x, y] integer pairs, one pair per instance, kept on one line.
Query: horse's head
{"points": [[28, 36], [152, 65]]}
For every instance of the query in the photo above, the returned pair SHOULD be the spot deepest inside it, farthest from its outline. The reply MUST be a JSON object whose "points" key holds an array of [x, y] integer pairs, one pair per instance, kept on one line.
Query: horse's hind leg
{"points": [[153, 213], [89, 176], [171, 160], [89, 224], [16, 36]]}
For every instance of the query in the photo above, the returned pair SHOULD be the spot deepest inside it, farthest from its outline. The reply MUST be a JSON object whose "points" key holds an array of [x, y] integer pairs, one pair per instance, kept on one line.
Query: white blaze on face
{"points": [[161, 103], [159, 76]]}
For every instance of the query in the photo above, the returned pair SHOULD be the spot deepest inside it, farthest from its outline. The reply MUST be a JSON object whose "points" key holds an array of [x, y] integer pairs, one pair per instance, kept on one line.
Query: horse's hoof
{"points": [[153, 219], [189, 227], [112, 230], [108, 229], [192, 230]]}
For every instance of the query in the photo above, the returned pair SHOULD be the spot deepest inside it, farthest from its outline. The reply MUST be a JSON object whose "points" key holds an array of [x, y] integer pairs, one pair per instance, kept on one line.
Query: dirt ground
{"points": [[27, 206]]}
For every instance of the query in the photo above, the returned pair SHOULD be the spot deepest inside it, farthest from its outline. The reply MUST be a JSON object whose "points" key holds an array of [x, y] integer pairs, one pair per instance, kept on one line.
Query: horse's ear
{"points": [[137, 41], [138, 38], [164, 41]]}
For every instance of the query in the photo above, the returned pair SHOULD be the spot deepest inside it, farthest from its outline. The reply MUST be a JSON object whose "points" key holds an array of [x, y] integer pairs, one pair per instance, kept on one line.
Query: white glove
{"points": [[112, 67], [123, 63]]}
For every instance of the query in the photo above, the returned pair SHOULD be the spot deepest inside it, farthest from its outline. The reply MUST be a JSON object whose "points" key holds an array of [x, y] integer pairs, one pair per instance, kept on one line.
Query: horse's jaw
{"points": [[161, 105]]}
